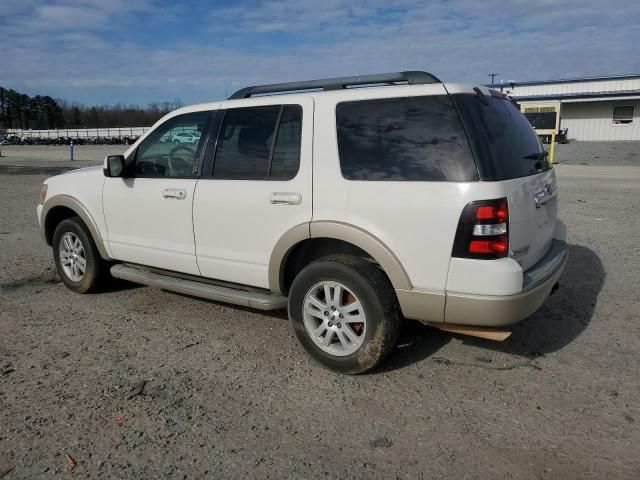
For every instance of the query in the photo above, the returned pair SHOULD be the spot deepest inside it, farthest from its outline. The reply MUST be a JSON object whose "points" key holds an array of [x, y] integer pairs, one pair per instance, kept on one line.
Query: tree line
{"points": [[42, 112]]}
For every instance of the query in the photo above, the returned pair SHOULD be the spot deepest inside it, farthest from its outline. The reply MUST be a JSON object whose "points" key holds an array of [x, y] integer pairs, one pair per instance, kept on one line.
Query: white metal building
{"points": [[592, 109]]}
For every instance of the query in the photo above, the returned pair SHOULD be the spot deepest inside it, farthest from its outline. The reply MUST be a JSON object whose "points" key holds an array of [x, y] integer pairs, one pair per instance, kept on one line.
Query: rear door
{"points": [[508, 150], [257, 187]]}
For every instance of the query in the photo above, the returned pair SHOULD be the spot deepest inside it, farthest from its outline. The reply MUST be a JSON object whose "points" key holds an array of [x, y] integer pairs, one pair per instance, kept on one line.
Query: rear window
{"points": [[501, 137], [408, 138]]}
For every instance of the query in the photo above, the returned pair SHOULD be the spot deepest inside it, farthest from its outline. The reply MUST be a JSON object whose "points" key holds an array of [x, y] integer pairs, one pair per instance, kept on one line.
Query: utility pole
{"points": [[493, 75]]}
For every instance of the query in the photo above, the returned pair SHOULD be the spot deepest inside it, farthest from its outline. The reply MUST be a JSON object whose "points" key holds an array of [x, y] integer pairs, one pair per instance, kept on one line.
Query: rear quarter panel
{"points": [[417, 221]]}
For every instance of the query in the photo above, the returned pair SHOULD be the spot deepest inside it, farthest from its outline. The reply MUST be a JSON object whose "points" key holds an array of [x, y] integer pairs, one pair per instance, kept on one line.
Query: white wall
{"points": [[591, 121]]}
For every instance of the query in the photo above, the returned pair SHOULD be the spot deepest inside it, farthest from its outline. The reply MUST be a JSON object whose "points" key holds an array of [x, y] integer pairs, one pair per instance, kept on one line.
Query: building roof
{"points": [[577, 96], [568, 80]]}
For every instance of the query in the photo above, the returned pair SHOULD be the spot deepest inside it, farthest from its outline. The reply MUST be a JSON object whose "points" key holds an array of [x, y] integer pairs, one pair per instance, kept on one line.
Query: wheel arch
{"points": [[61, 207], [340, 237]]}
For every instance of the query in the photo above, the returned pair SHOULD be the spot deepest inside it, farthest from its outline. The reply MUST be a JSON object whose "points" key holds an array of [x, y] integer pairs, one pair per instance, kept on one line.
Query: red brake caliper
{"points": [[349, 299]]}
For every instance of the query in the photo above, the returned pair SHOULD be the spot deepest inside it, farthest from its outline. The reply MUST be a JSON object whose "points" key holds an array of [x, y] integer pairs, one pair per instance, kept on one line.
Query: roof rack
{"points": [[410, 78]]}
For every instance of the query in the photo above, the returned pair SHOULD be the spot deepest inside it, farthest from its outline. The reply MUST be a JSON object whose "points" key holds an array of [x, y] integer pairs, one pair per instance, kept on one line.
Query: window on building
{"points": [[622, 115]]}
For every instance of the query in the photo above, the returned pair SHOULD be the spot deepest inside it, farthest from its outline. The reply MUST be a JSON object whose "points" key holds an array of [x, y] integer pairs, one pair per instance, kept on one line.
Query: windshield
{"points": [[505, 144]]}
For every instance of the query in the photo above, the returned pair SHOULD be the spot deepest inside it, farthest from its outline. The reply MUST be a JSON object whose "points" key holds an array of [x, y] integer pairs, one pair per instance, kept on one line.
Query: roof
{"points": [[569, 80], [576, 96]]}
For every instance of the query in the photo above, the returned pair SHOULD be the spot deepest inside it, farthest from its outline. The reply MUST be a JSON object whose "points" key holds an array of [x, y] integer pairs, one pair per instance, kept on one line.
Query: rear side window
{"points": [[286, 153], [503, 139], [408, 138], [259, 143]]}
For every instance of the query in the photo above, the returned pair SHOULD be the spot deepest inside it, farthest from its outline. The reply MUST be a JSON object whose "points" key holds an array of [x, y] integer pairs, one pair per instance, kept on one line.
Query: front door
{"points": [[258, 187], [148, 213]]}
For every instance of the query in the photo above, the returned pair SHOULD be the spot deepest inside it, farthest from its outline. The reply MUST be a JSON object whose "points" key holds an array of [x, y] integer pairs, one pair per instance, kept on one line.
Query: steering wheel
{"points": [[177, 164]]}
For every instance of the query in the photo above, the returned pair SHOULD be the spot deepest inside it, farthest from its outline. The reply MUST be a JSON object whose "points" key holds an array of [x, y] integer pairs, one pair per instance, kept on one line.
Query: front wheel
{"points": [[77, 258], [344, 313]]}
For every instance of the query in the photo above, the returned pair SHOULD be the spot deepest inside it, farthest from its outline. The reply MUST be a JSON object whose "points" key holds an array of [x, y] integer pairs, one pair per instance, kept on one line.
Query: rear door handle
{"points": [[285, 198], [178, 193]]}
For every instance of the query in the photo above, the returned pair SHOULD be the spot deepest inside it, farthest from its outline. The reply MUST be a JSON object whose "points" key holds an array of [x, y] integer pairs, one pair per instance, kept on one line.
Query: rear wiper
{"points": [[537, 155]]}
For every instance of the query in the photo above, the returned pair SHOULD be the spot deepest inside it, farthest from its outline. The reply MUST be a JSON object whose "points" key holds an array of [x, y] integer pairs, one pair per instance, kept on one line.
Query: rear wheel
{"points": [[77, 258], [344, 313]]}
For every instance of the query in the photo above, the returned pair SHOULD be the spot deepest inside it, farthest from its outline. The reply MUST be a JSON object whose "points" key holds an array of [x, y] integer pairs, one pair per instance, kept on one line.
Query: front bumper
{"points": [[500, 310]]}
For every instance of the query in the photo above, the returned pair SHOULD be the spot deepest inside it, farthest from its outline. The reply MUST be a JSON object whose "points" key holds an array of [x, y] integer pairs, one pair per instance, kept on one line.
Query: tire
{"points": [[366, 285], [96, 270]]}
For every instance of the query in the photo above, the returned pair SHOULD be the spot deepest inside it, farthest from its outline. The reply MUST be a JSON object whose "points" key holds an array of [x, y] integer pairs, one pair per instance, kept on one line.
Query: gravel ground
{"points": [[598, 153], [56, 155], [229, 394]]}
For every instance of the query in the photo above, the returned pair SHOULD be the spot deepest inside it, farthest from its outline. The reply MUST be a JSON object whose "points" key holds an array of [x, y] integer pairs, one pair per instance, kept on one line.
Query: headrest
{"points": [[251, 140]]}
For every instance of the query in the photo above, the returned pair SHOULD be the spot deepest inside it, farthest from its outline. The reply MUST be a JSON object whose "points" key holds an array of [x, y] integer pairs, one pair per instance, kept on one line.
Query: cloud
{"points": [[99, 50]]}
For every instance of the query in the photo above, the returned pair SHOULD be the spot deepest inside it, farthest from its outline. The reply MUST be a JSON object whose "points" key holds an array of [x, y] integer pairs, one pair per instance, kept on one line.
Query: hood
{"points": [[84, 170]]}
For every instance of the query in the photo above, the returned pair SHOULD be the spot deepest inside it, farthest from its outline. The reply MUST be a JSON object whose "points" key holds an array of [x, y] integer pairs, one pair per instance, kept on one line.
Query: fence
{"points": [[79, 132]]}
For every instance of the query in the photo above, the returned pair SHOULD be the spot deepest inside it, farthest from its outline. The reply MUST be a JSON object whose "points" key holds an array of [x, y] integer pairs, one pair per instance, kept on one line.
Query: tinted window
{"points": [[246, 148], [286, 154], [167, 152], [502, 137], [411, 138]]}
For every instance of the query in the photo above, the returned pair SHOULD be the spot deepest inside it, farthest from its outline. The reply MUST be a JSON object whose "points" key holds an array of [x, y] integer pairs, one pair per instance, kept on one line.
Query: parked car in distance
{"points": [[185, 137], [354, 202]]}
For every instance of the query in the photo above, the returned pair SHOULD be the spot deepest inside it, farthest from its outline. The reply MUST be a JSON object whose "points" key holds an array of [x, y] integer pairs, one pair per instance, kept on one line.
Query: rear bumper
{"points": [[489, 310], [500, 310]]}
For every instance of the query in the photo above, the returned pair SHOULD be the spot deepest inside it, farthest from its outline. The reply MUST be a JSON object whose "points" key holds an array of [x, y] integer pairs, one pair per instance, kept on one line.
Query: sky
{"points": [[140, 51]]}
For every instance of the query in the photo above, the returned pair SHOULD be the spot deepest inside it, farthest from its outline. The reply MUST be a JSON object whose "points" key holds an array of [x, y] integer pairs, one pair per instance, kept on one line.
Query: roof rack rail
{"points": [[411, 78]]}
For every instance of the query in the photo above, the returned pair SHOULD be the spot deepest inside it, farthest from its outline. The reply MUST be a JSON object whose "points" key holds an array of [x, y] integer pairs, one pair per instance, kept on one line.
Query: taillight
{"points": [[483, 230]]}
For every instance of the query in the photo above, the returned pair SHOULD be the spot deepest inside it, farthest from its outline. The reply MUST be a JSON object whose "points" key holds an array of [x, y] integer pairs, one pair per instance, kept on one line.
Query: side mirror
{"points": [[113, 165]]}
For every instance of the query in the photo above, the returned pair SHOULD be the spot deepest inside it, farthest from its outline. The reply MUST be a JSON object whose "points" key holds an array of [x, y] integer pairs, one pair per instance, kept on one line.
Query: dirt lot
{"points": [[229, 394]]}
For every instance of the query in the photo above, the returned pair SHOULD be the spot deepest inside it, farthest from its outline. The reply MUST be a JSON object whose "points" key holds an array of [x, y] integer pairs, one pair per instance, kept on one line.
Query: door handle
{"points": [[178, 193], [285, 198]]}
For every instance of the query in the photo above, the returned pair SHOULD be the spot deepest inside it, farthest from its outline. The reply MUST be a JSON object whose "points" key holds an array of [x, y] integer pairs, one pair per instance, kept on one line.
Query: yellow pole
{"points": [[552, 150]]}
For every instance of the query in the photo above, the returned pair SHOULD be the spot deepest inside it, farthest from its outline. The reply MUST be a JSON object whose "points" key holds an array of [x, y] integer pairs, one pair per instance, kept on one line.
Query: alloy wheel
{"points": [[334, 318], [72, 256]]}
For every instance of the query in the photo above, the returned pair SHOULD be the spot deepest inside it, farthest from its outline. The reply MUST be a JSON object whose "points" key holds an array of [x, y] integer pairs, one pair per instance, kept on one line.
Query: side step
{"points": [[246, 298]]}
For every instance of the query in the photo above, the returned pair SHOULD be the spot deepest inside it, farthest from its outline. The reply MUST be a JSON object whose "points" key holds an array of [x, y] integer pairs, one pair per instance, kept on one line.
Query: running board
{"points": [[245, 298]]}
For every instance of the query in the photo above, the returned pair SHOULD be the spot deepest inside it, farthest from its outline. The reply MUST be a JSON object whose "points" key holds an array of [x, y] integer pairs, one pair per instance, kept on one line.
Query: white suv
{"points": [[353, 207], [185, 137]]}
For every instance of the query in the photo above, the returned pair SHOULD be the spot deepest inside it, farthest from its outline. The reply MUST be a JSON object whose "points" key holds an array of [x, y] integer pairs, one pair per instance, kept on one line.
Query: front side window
{"points": [[174, 148], [259, 143], [623, 115], [403, 139]]}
